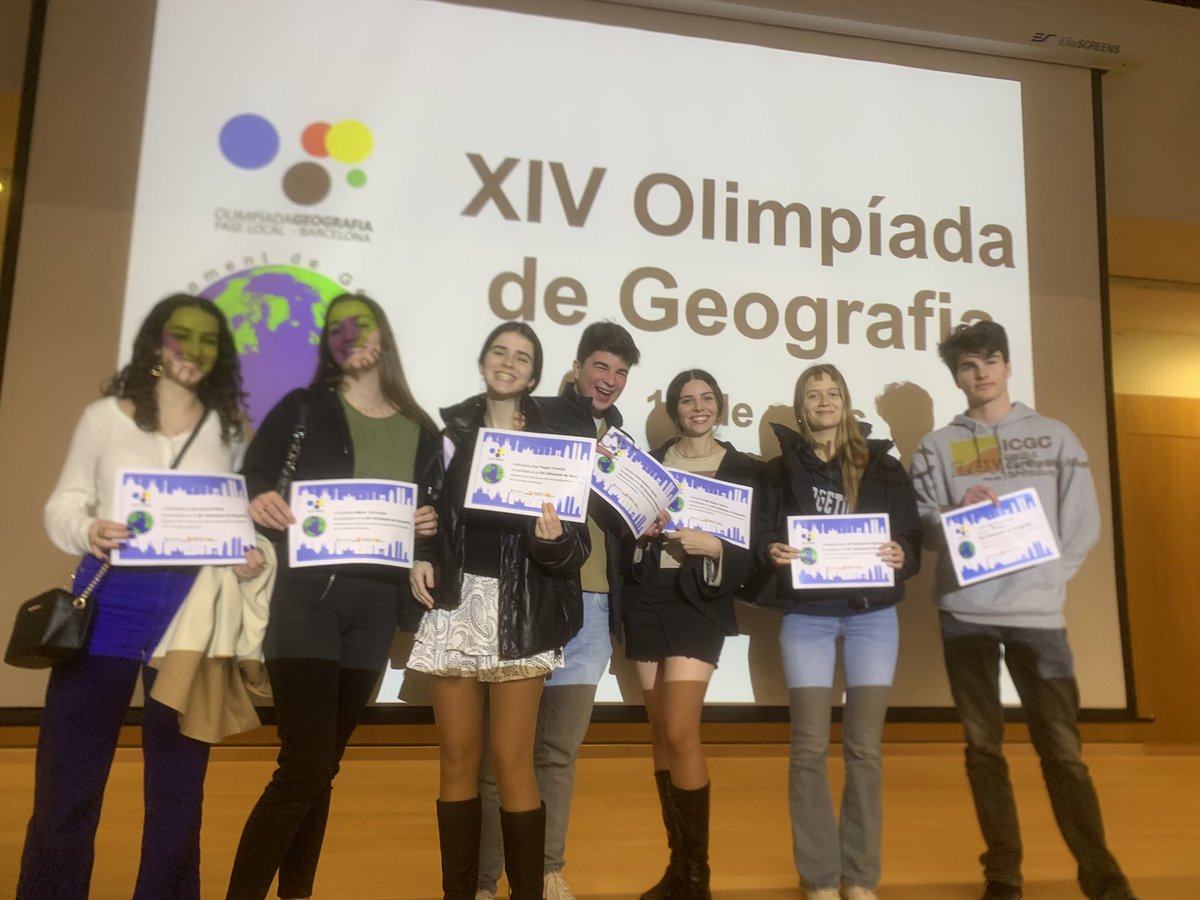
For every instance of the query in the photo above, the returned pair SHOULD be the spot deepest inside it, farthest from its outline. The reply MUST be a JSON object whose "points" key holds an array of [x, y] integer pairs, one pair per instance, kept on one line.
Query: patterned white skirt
{"points": [[465, 642]]}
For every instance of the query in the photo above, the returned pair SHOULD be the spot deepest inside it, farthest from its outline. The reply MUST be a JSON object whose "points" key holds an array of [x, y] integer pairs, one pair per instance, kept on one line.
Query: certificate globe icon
{"points": [[314, 526], [808, 555], [966, 550], [676, 504], [139, 522], [492, 473], [606, 464]]}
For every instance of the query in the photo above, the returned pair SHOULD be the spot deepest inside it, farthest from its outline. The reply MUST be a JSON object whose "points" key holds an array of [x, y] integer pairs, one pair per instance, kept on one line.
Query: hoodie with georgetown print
{"points": [[1022, 450]]}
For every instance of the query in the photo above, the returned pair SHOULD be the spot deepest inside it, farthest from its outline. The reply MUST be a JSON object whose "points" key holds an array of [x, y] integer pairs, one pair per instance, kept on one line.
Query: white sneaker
{"points": [[485, 894], [855, 892], [555, 887], [823, 894]]}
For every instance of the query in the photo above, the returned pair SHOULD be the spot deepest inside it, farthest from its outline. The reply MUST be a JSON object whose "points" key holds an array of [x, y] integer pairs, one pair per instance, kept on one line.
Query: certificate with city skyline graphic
{"points": [[182, 518], [517, 471], [840, 551], [986, 540], [713, 506], [343, 521], [632, 481]]}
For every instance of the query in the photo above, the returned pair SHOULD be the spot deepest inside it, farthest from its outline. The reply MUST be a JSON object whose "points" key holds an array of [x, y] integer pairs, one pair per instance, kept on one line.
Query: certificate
{"points": [[340, 521], [986, 540], [181, 518], [633, 482], [714, 507], [840, 551], [516, 472]]}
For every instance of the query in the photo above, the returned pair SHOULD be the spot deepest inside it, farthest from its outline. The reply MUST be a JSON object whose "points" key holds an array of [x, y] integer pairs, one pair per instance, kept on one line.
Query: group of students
{"points": [[514, 616]]}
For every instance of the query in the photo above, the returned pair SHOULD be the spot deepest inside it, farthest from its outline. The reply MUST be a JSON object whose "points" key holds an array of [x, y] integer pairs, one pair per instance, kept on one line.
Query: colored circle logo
{"points": [[676, 504], [808, 555], [314, 526], [606, 464], [250, 141], [966, 550], [492, 473], [139, 522]]}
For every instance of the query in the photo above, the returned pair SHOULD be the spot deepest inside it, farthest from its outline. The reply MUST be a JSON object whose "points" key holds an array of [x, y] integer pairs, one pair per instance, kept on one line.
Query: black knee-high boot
{"points": [[459, 822], [691, 809], [668, 886], [524, 851]]}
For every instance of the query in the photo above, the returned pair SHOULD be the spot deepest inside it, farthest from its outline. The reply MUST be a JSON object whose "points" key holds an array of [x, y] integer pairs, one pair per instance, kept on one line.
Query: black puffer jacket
{"points": [[541, 605], [788, 491]]}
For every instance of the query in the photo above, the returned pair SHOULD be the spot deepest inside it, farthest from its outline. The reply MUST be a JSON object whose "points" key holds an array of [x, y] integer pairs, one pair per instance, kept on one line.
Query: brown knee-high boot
{"points": [[459, 822], [691, 810], [668, 886], [524, 851]]}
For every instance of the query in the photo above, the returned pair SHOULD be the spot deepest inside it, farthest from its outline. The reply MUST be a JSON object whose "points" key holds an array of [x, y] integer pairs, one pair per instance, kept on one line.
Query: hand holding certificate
{"points": [[990, 539], [840, 551], [632, 481], [340, 521], [181, 518], [516, 472], [712, 506]]}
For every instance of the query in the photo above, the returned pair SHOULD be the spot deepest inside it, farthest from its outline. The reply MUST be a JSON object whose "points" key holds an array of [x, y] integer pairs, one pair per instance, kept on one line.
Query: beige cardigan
{"points": [[210, 658]]}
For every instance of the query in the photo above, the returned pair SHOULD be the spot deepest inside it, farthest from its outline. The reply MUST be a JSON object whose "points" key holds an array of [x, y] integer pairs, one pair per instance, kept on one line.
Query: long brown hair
{"points": [[391, 372], [220, 390], [849, 445]]}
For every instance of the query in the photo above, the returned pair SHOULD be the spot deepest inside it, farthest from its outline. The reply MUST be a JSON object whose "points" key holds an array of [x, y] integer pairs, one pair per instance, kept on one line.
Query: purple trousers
{"points": [[85, 707]]}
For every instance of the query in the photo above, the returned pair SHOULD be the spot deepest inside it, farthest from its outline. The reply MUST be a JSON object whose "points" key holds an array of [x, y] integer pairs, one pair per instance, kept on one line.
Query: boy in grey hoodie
{"points": [[997, 447]]}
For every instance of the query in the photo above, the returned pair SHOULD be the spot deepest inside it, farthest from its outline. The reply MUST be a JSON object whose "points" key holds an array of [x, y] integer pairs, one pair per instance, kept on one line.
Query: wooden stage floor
{"points": [[382, 839]]}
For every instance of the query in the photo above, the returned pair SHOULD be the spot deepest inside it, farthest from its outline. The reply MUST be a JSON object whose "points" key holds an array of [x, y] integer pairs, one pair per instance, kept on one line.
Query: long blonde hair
{"points": [[849, 445]]}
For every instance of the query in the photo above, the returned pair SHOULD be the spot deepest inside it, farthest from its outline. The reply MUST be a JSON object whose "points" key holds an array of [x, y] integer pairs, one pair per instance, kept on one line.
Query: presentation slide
{"points": [[742, 198]]}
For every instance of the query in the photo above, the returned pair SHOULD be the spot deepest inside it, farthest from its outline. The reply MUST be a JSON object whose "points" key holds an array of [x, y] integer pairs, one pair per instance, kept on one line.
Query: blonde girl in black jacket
{"points": [[831, 468]]}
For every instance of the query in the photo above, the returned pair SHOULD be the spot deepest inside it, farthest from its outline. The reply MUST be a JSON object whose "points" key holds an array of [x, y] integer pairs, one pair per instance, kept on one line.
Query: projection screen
{"points": [[741, 198]]}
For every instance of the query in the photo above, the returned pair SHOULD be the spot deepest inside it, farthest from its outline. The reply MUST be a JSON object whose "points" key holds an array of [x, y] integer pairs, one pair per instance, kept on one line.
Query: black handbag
{"points": [[53, 627]]}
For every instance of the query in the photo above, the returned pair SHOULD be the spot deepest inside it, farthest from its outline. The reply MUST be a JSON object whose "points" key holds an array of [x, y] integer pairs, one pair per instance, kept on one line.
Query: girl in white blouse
{"points": [[178, 403]]}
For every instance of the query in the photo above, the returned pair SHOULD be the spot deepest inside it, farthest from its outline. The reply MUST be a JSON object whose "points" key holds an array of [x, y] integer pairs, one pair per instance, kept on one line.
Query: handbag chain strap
{"points": [[293, 452], [82, 600]]}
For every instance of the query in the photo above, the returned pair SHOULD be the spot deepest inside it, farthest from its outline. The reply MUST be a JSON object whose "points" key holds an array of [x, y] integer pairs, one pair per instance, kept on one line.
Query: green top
{"points": [[383, 448]]}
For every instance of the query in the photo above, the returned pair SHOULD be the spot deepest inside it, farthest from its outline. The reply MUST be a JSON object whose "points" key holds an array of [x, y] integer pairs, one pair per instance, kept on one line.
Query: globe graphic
{"points": [[808, 555], [606, 464], [139, 522], [314, 526], [966, 549], [276, 314], [492, 473], [676, 504]]}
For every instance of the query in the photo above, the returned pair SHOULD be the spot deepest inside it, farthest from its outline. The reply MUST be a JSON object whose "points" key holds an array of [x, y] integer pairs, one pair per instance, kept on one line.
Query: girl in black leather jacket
{"points": [[504, 602]]}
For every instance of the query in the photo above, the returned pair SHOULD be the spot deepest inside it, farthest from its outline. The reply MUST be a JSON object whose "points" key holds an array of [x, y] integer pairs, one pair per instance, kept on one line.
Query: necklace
{"points": [[712, 448]]}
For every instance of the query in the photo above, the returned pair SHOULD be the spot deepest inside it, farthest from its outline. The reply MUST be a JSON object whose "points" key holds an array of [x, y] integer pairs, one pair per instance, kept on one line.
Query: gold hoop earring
{"points": [[156, 370]]}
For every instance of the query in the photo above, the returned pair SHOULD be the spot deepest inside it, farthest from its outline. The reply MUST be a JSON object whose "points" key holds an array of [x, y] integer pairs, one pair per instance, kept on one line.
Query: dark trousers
{"points": [[318, 704], [1040, 663], [85, 706]]}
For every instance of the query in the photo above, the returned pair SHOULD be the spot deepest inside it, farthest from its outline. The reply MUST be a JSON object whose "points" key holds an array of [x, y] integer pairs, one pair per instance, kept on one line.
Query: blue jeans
{"points": [[870, 644], [563, 718], [1043, 670], [829, 853], [586, 656]]}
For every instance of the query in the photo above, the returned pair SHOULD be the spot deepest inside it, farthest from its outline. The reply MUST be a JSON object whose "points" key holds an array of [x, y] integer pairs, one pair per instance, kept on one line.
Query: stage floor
{"points": [[382, 838]]}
